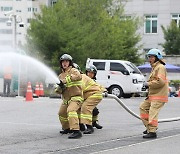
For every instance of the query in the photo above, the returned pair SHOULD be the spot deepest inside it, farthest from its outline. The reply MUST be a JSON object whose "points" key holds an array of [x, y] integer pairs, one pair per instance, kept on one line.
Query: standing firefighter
{"points": [[157, 85], [71, 89]]}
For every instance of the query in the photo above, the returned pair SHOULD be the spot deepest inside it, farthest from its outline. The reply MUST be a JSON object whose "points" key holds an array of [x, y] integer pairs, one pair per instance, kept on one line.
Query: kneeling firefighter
{"points": [[157, 85], [71, 89], [92, 95]]}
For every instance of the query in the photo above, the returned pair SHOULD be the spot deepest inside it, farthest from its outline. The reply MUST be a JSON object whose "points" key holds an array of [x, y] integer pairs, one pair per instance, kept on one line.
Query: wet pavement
{"points": [[33, 127]]}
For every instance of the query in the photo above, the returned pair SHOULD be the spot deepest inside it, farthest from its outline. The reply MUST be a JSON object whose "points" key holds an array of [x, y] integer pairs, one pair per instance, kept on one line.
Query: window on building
{"points": [[29, 20], [150, 24], [176, 18], [29, 9], [6, 8]]}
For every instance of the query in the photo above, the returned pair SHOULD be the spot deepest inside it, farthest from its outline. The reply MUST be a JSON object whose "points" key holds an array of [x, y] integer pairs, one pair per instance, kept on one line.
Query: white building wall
{"points": [[162, 8], [25, 9]]}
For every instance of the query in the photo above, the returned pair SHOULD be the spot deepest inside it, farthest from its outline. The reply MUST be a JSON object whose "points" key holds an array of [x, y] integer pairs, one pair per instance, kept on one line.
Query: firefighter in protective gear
{"points": [[157, 93], [92, 96], [91, 71], [72, 97]]}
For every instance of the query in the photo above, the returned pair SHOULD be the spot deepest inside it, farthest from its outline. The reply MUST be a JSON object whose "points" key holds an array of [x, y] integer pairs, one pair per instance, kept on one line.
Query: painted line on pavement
{"points": [[150, 140]]}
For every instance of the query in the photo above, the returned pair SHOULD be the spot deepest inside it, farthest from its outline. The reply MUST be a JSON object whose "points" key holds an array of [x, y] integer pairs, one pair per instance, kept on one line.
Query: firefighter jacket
{"points": [[158, 83], [73, 83], [90, 87]]}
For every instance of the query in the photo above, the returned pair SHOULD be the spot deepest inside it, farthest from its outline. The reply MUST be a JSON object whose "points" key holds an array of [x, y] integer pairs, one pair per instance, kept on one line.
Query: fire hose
{"points": [[134, 114]]}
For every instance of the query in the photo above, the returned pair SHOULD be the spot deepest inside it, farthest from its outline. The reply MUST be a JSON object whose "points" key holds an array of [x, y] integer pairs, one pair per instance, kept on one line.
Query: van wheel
{"points": [[116, 90]]}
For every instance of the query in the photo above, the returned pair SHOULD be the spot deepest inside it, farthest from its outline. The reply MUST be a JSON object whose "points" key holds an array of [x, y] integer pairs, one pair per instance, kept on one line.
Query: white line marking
{"points": [[135, 144]]}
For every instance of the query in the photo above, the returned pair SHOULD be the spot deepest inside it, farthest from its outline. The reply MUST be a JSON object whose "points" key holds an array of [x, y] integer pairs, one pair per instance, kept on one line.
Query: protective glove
{"points": [[61, 85], [145, 85], [57, 89]]}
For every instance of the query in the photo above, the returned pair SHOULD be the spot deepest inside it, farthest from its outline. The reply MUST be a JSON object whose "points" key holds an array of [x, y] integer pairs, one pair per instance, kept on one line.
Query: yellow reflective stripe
{"points": [[96, 96], [72, 115], [77, 98], [63, 119], [68, 79], [95, 118], [75, 83], [65, 101], [89, 85], [86, 116]]}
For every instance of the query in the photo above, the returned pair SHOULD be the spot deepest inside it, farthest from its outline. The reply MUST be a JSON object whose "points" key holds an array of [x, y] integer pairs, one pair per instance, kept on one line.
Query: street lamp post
{"points": [[14, 18]]}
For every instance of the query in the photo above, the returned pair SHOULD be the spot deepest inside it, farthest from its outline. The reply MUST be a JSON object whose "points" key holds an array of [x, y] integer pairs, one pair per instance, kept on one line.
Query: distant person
{"points": [[157, 85], [7, 80]]}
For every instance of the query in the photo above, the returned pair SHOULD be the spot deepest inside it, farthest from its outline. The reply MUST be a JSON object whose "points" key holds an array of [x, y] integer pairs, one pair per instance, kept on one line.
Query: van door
{"points": [[102, 74]]}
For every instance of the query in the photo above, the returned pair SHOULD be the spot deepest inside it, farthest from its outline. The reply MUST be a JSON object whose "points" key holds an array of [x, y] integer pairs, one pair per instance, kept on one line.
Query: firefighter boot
{"points": [[150, 135], [95, 124], [65, 131], [75, 135], [89, 129], [145, 132], [82, 127]]}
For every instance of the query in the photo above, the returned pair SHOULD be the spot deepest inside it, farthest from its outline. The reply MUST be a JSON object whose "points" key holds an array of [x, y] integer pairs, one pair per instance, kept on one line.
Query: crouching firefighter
{"points": [[157, 93], [71, 89], [92, 95], [91, 71]]}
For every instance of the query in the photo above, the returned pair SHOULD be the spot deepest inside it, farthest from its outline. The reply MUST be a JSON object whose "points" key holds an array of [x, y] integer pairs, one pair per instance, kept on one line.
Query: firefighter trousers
{"points": [[149, 111], [68, 115], [87, 108]]}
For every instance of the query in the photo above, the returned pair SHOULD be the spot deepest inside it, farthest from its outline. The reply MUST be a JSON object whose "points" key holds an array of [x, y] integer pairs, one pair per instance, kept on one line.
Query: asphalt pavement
{"points": [[33, 128]]}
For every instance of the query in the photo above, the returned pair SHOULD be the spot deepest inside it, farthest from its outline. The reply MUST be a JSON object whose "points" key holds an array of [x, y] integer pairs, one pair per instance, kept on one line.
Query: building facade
{"points": [[154, 14], [15, 17]]}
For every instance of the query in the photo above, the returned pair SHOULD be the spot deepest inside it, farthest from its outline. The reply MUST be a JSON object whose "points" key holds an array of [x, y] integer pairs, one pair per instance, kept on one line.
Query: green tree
{"points": [[84, 29], [172, 39]]}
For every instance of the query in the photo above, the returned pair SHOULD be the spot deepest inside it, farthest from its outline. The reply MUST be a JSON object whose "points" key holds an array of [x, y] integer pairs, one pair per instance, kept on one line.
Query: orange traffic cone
{"points": [[41, 90], [37, 89], [179, 92], [29, 94]]}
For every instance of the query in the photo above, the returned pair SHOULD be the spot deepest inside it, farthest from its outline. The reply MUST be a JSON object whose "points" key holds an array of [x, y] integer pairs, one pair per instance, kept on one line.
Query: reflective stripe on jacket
{"points": [[90, 88], [158, 83], [73, 82]]}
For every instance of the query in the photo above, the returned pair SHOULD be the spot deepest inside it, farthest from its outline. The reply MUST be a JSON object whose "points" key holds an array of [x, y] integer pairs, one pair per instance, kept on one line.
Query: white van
{"points": [[121, 78]]}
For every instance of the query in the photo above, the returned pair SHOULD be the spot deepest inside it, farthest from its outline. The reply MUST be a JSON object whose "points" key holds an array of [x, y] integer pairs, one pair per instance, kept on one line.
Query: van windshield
{"points": [[133, 68]]}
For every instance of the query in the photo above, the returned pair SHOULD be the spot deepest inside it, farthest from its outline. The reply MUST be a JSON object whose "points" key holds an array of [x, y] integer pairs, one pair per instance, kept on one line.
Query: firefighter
{"points": [[157, 85], [71, 89], [91, 71], [92, 94]]}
